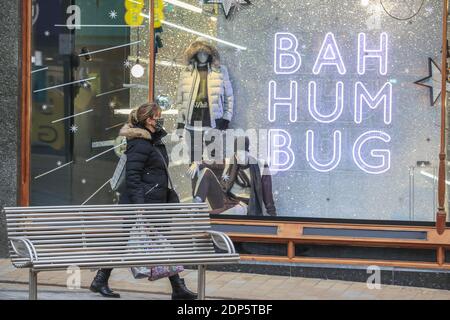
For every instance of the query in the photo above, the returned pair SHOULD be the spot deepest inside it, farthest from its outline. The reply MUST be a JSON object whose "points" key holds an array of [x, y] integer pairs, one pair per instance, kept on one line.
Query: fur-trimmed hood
{"points": [[201, 44], [130, 132]]}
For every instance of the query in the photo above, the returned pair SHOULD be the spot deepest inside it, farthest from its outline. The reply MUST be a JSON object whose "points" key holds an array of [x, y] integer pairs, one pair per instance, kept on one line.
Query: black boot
{"points": [[179, 290], [100, 284]]}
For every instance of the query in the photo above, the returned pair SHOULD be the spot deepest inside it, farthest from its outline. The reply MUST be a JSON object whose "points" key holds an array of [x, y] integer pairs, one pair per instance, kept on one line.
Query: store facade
{"points": [[342, 99]]}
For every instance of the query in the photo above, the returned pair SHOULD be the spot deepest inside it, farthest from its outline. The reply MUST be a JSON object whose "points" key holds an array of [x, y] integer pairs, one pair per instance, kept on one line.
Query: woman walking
{"points": [[145, 170]]}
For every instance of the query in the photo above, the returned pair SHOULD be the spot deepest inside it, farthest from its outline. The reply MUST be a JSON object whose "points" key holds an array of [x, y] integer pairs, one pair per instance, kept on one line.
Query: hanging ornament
{"points": [[158, 13], [227, 5], [138, 70], [163, 101], [133, 14], [433, 81]]}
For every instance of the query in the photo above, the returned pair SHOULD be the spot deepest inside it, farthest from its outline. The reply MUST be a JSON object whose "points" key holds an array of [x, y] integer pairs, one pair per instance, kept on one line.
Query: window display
{"points": [[330, 87], [337, 102]]}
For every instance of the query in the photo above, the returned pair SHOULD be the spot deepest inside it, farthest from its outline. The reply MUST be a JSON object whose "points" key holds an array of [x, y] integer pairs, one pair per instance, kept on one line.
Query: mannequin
{"points": [[205, 96], [244, 188]]}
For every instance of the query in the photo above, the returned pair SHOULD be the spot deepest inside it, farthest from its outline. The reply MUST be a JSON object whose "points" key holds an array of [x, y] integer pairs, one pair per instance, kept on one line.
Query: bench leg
{"points": [[201, 282], [32, 291]]}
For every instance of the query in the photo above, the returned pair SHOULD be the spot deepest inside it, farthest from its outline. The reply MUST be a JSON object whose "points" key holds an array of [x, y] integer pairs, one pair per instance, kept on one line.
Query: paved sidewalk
{"points": [[220, 285], [15, 291]]}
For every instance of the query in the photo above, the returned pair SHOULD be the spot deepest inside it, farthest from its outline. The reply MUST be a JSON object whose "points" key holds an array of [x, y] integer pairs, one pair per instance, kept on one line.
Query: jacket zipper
{"points": [[189, 113], [152, 188]]}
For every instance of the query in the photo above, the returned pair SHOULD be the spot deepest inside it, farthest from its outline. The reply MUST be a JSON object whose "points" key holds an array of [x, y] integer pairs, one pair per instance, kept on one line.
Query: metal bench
{"points": [[110, 236]]}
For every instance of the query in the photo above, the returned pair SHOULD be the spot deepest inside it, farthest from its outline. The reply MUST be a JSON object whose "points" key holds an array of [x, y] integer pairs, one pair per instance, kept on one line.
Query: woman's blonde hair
{"points": [[139, 115]]}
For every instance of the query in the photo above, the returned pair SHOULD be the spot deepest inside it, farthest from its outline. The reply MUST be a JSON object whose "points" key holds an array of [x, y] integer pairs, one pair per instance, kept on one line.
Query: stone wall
{"points": [[9, 109]]}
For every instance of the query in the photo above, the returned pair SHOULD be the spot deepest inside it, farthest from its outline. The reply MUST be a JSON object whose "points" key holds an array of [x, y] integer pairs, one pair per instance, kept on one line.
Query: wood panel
{"points": [[291, 233], [335, 261], [441, 215], [151, 54], [25, 105]]}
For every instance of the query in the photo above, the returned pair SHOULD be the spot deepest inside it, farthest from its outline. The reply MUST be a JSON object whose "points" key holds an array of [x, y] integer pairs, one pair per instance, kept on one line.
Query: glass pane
{"points": [[331, 86], [333, 95], [83, 52]]}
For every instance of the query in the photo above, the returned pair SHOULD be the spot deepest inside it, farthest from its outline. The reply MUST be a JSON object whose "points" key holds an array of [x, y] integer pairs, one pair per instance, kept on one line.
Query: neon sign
{"points": [[367, 155], [287, 59], [329, 55]]}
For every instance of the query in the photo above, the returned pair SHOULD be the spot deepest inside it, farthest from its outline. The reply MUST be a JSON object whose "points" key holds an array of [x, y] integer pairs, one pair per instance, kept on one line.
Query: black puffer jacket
{"points": [[146, 175]]}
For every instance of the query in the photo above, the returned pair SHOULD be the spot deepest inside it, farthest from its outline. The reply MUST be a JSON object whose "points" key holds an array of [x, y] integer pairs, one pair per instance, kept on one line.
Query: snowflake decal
{"points": [[127, 64], [428, 11], [225, 177], [113, 14], [73, 128]]}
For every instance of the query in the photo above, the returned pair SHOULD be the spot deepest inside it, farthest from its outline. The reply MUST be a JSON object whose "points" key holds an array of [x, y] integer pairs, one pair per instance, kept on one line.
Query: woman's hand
{"points": [[193, 170]]}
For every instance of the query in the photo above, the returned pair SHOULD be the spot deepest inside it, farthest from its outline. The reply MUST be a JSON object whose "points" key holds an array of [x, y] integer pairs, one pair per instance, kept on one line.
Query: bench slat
{"points": [[124, 234], [99, 206], [106, 218], [99, 225], [81, 231], [112, 239], [118, 243], [122, 244], [114, 208], [128, 263], [169, 260], [147, 256], [118, 251], [136, 256], [93, 215], [198, 247], [98, 222], [109, 206]]}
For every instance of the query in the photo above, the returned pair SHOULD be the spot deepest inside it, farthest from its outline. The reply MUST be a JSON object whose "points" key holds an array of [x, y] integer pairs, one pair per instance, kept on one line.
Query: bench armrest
{"points": [[222, 241], [24, 248]]}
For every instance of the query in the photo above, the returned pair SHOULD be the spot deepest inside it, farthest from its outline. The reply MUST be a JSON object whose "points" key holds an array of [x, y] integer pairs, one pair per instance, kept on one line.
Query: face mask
{"points": [[159, 124], [202, 57]]}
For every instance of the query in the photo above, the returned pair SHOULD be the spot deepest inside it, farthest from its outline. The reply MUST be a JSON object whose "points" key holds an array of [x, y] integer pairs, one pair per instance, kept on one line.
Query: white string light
{"points": [[173, 25], [185, 5]]}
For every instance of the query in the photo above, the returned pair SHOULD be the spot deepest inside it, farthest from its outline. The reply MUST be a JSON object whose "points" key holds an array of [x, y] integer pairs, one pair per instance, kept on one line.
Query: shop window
{"points": [[333, 96]]}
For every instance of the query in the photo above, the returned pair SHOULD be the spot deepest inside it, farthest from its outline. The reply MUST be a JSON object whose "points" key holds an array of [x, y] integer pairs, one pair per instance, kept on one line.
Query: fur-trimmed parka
{"points": [[220, 90], [146, 174]]}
